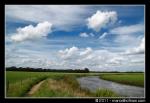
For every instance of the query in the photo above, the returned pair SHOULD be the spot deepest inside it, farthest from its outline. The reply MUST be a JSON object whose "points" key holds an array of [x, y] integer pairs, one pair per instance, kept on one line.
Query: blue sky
{"points": [[100, 37]]}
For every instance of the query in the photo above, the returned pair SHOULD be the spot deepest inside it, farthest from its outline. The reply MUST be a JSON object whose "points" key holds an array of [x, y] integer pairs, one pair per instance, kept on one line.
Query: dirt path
{"points": [[35, 88]]}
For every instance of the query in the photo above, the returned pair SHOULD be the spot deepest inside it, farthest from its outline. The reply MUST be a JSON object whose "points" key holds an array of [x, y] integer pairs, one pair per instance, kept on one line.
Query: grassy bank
{"points": [[136, 79], [21, 87], [66, 86]]}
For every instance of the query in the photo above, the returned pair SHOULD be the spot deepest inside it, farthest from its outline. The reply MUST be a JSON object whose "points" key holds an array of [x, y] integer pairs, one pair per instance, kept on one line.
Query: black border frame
{"points": [[69, 2]]}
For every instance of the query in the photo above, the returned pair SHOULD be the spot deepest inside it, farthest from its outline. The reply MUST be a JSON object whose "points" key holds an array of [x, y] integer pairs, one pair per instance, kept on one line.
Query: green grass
{"points": [[18, 84], [20, 88], [105, 93], [136, 79], [14, 76]]}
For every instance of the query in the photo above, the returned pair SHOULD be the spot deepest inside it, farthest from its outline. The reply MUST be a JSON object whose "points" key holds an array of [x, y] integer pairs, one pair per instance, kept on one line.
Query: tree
{"points": [[86, 70]]}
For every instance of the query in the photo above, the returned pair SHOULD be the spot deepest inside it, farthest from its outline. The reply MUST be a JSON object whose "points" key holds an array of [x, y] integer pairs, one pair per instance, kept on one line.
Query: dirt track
{"points": [[35, 88]]}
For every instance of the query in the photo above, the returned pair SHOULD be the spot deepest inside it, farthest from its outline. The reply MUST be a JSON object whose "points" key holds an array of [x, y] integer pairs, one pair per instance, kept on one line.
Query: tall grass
{"points": [[20, 88], [105, 93], [66, 86]]}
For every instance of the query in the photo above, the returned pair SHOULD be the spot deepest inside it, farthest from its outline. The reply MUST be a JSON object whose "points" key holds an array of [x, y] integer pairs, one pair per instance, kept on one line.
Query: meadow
{"points": [[19, 84], [135, 79]]}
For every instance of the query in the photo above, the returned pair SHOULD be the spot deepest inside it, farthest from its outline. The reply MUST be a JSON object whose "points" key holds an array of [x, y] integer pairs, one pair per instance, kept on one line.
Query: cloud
{"points": [[131, 29], [91, 34], [72, 58], [31, 32], [25, 57], [65, 17], [101, 20], [67, 53], [125, 40], [102, 59], [128, 34], [139, 49], [117, 60], [86, 52], [103, 35], [85, 35]]}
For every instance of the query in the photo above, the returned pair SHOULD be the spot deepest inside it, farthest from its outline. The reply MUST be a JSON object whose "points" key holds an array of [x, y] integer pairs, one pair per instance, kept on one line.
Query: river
{"points": [[94, 82]]}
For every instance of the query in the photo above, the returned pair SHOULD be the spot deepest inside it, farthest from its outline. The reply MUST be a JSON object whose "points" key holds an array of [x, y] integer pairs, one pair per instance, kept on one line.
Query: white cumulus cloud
{"points": [[68, 52], [101, 19], [101, 59], [84, 35], [87, 51], [31, 32]]}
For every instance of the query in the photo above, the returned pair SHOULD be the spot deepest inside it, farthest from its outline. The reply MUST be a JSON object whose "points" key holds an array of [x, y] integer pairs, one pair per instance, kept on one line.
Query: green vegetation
{"points": [[18, 84], [67, 86], [105, 93], [20, 88], [13, 77], [136, 79]]}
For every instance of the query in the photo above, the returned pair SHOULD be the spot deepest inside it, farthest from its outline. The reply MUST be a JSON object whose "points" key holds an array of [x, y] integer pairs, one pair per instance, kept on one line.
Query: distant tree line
{"points": [[85, 70]]}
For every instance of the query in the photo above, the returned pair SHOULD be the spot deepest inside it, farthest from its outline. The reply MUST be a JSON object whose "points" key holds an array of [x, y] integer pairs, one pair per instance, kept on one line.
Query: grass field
{"points": [[136, 79], [18, 84]]}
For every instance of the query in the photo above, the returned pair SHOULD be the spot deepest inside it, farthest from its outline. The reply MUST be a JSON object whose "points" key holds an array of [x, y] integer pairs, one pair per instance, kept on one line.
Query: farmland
{"points": [[19, 84]]}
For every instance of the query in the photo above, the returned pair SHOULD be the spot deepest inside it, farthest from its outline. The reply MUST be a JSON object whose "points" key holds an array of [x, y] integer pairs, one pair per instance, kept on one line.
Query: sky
{"points": [[98, 37]]}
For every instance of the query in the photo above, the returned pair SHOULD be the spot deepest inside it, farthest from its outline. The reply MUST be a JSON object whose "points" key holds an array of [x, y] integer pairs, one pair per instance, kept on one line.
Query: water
{"points": [[94, 82]]}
